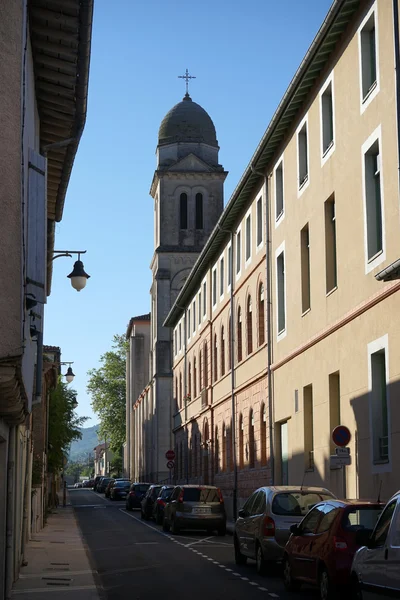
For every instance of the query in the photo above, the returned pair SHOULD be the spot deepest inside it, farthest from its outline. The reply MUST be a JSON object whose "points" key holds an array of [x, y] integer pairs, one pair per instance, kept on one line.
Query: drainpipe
{"points": [[269, 336], [185, 396], [39, 367], [128, 410], [397, 69], [10, 533]]}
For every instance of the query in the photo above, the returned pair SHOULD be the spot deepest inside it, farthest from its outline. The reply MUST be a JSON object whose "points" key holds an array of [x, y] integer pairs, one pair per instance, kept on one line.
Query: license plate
{"points": [[202, 511]]}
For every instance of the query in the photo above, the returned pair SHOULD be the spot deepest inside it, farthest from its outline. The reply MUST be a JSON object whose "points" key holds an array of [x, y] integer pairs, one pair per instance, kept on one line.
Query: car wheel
{"points": [[222, 531], [174, 527], [325, 586], [261, 564], [291, 584], [165, 525], [240, 559]]}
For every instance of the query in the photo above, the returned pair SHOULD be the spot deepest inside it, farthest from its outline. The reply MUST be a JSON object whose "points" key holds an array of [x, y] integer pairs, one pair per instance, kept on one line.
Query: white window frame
{"points": [[260, 199], [331, 149], [278, 252], [303, 186], [189, 322], [214, 288], [381, 343], [180, 336], [248, 260], [238, 273], [194, 316], [199, 308], [228, 285], [204, 299], [221, 260], [279, 218], [371, 264], [365, 102]]}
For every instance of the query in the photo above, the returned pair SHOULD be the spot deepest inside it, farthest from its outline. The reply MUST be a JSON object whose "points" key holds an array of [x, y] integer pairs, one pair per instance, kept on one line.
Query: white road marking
{"points": [[244, 578], [264, 590], [273, 595], [229, 570], [253, 583]]}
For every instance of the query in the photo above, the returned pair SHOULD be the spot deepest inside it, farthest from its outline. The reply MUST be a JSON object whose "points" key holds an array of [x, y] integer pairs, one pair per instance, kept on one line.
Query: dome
{"points": [[187, 122]]}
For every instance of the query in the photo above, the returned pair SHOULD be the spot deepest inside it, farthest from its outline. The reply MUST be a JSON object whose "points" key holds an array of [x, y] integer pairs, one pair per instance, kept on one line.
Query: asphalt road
{"points": [[136, 560]]}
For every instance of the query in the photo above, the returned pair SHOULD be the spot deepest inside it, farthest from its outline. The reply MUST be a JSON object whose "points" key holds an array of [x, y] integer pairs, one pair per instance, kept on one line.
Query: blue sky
{"points": [[243, 55]]}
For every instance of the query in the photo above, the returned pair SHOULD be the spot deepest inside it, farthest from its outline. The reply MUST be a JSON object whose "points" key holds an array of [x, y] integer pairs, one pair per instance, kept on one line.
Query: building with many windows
{"points": [[287, 326]]}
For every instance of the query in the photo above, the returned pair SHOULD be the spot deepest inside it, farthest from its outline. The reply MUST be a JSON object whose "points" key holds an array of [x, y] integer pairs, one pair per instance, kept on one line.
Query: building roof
{"points": [[187, 122], [51, 349], [145, 318], [61, 39], [335, 23]]}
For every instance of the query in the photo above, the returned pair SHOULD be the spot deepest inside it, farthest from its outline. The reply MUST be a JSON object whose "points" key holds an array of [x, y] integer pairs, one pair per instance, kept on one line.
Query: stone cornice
{"points": [[186, 176]]}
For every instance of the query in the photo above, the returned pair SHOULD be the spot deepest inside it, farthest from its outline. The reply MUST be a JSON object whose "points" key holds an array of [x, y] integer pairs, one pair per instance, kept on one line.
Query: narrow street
{"points": [[136, 559]]}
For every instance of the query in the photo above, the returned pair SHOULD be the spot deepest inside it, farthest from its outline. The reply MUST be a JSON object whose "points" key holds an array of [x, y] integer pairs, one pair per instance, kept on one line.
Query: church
{"points": [[187, 191]]}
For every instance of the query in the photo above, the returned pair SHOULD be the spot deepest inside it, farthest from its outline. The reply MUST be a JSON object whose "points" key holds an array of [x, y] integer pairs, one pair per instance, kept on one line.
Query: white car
{"points": [[375, 572], [78, 485]]}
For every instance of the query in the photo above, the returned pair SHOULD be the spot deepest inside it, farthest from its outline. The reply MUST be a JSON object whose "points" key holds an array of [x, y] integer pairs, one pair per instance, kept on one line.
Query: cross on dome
{"points": [[186, 76]]}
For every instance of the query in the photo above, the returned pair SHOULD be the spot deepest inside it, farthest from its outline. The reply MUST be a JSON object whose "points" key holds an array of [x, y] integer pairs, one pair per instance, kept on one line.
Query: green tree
{"points": [[107, 387], [63, 424]]}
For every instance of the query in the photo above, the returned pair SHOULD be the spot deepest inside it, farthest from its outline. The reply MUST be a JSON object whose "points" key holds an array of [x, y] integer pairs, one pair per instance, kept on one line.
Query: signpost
{"points": [[341, 436]]}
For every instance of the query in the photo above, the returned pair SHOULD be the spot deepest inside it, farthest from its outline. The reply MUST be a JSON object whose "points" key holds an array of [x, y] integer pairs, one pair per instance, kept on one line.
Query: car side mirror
{"points": [[295, 529], [242, 513]]}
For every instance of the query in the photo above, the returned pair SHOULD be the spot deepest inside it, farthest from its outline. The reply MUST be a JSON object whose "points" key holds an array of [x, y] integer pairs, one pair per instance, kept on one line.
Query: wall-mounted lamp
{"points": [[78, 275], [69, 375]]}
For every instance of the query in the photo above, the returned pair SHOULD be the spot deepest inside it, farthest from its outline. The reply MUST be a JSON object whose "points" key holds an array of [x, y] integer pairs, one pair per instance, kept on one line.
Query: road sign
{"points": [[170, 455], [339, 461], [341, 435], [342, 451], [170, 464]]}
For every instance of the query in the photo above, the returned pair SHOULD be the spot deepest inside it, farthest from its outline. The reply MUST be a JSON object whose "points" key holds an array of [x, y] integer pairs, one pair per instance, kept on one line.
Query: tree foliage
{"points": [[63, 424], [107, 387]]}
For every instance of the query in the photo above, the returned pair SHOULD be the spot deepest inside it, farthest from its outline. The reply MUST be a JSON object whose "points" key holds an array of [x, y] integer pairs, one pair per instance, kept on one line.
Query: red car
{"points": [[321, 548]]}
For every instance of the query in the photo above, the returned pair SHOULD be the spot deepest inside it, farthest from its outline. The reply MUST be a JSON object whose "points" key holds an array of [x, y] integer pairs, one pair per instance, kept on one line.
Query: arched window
{"points": [[199, 211], [216, 451], [263, 434], [183, 208], [239, 335], [224, 447], [249, 326], [195, 450], [229, 344], [241, 442], [215, 358], [189, 383], [200, 370], [194, 378], [205, 365], [180, 390], [181, 461], [261, 315], [251, 441], [222, 351]]}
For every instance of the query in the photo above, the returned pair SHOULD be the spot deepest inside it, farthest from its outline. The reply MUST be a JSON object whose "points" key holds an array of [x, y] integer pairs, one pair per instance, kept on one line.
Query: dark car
{"points": [[109, 487], [146, 505], [195, 507], [102, 485], [136, 494], [97, 480], [120, 489], [321, 548], [163, 498]]}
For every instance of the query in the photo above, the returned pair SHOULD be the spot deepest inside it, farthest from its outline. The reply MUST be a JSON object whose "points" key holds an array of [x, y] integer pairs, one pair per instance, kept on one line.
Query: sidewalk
{"points": [[58, 567]]}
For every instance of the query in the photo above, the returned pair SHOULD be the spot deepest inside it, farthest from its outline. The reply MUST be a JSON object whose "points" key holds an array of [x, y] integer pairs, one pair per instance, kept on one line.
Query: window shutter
{"points": [[36, 264]]}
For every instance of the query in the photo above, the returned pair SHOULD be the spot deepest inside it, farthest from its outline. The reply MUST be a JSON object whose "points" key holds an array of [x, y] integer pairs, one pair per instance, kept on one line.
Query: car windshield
{"points": [[155, 491], [296, 504], [122, 484], [200, 495], [361, 517], [166, 493], [141, 488]]}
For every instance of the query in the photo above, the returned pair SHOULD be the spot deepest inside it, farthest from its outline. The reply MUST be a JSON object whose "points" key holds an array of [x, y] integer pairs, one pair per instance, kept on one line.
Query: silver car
{"points": [[375, 573], [263, 526], [195, 507]]}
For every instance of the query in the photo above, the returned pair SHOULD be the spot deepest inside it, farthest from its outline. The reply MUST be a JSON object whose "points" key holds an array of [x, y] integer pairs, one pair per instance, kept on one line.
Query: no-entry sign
{"points": [[341, 435], [170, 455], [170, 464]]}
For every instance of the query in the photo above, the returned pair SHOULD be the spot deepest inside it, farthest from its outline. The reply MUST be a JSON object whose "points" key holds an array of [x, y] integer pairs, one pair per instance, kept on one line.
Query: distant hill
{"points": [[80, 448]]}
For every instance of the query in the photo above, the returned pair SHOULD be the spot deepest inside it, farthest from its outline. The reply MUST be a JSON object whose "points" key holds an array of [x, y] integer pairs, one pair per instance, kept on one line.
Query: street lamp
{"points": [[69, 375], [78, 276]]}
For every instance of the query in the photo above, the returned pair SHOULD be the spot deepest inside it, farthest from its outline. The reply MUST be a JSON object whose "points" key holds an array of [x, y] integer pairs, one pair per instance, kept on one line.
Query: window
{"points": [[194, 315], [199, 307], [221, 276], [334, 404], [224, 447], [189, 330], [379, 407], [180, 336], [239, 335], [380, 534], [229, 266], [373, 200], [214, 286], [308, 428], [302, 149], [222, 351], [231, 449], [261, 315], [311, 521], [249, 326], [238, 252], [259, 222], [176, 392], [241, 442], [204, 299], [279, 199], [305, 269], [199, 211], [327, 132], [200, 371], [189, 382], [283, 452], [183, 211], [215, 358], [280, 285], [190, 454], [205, 364], [251, 441], [248, 238], [181, 461], [216, 451], [263, 434], [230, 342], [194, 378], [329, 515], [330, 245], [180, 390], [176, 342], [368, 57]]}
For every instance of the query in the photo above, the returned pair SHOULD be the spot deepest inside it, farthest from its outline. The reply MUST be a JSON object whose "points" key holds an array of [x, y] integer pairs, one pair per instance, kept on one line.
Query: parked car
{"points": [[195, 507], [78, 484], [136, 494], [102, 485], [263, 525], [146, 505], [321, 548], [96, 482], [375, 572], [120, 489], [164, 496], [108, 488]]}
